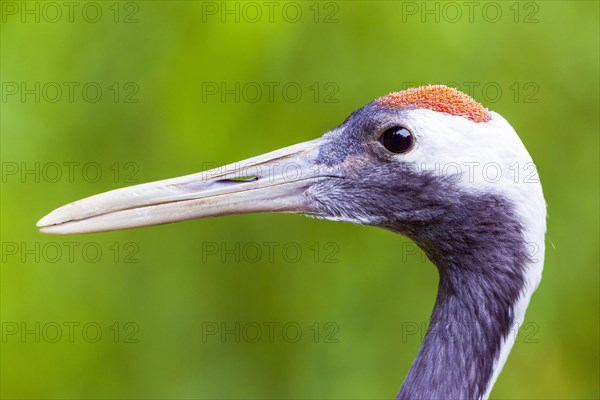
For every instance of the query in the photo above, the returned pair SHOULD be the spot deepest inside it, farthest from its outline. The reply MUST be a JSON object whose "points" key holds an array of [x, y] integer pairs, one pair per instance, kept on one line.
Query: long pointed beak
{"points": [[273, 182]]}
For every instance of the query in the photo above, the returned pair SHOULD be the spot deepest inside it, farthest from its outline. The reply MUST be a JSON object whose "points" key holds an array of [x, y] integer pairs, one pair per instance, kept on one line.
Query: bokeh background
{"points": [[100, 95]]}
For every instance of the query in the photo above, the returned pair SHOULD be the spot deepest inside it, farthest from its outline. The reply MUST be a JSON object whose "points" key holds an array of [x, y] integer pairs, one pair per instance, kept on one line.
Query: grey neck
{"points": [[482, 274]]}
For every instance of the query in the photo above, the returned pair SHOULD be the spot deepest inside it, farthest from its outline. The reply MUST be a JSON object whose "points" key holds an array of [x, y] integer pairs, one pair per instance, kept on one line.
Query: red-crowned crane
{"points": [[381, 167]]}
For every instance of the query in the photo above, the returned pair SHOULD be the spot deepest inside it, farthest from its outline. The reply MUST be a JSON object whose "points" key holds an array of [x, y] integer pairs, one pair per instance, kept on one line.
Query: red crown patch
{"points": [[437, 98]]}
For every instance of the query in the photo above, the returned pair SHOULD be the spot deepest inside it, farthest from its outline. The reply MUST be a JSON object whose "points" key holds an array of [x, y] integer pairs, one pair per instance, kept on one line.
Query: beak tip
{"points": [[50, 230], [50, 219], [42, 222], [55, 227]]}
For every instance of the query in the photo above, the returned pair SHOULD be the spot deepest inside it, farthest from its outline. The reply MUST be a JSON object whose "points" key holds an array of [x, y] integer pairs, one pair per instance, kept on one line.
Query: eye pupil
{"points": [[397, 140]]}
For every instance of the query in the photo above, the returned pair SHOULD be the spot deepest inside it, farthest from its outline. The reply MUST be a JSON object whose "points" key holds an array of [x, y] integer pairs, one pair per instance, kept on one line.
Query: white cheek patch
{"points": [[477, 155]]}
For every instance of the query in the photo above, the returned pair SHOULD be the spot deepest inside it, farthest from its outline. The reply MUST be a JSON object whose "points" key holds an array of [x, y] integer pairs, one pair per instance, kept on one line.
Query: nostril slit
{"points": [[249, 178]]}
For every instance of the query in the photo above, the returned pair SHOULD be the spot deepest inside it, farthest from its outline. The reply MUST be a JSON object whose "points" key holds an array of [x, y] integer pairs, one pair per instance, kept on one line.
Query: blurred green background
{"points": [[100, 95]]}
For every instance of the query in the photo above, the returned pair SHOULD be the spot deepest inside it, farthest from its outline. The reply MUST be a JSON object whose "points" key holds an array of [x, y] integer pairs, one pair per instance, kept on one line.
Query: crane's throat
{"points": [[482, 257]]}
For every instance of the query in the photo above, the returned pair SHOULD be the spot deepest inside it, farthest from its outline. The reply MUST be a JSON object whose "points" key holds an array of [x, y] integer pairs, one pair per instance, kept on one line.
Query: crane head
{"points": [[403, 161]]}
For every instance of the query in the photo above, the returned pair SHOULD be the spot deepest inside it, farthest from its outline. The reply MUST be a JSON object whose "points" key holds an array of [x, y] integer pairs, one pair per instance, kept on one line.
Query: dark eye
{"points": [[397, 140]]}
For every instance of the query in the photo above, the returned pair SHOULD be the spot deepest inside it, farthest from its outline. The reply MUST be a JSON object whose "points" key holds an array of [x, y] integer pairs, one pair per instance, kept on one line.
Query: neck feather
{"points": [[483, 266]]}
